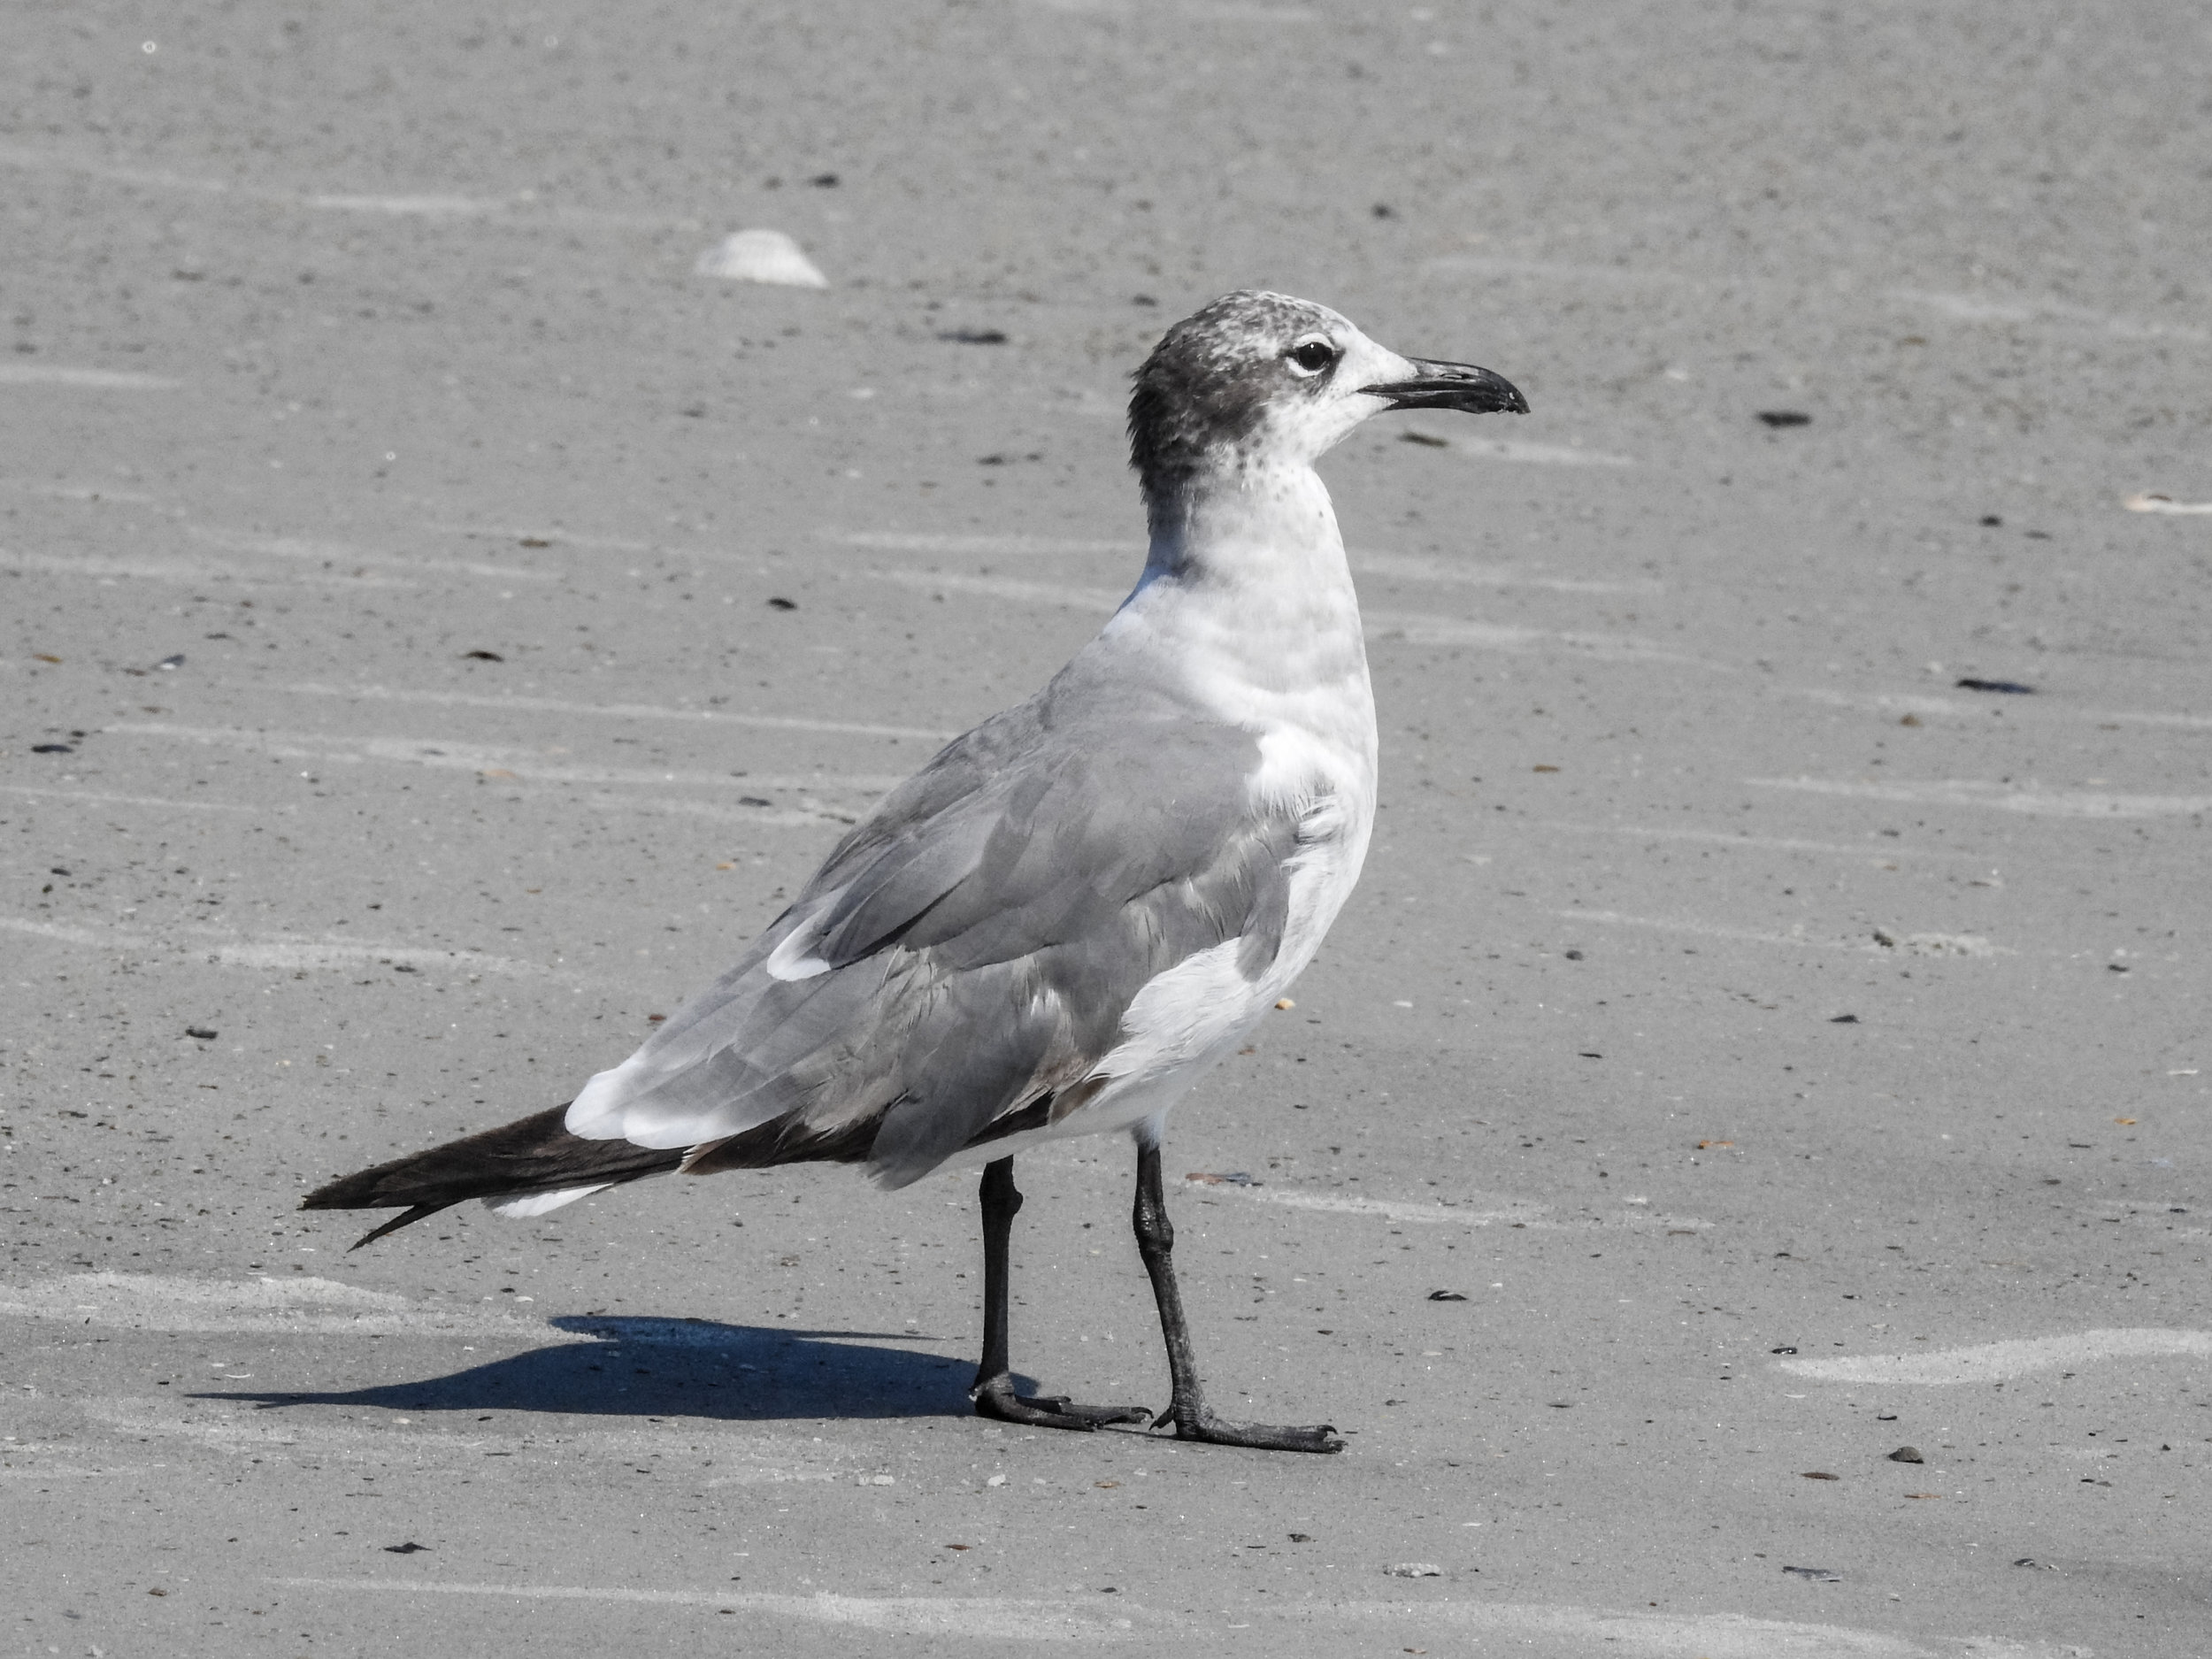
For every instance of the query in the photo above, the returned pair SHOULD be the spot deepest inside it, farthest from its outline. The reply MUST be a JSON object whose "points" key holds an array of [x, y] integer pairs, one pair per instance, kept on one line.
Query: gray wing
{"points": [[969, 949]]}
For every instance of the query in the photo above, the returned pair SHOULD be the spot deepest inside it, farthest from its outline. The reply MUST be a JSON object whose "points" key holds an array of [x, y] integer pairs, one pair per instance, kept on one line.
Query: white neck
{"points": [[1246, 608], [1251, 569]]}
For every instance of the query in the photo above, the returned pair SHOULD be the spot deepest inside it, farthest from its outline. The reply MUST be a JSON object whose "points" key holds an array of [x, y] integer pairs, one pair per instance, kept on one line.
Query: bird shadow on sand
{"points": [[694, 1368]]}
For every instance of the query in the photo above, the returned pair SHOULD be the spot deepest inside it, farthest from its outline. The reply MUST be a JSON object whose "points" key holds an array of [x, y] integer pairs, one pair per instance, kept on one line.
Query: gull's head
{"points": [[1258, 379]]}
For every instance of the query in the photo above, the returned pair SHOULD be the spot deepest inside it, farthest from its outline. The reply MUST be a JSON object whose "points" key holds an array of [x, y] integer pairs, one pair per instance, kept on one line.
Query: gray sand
{"points": [[1814, 1026]]}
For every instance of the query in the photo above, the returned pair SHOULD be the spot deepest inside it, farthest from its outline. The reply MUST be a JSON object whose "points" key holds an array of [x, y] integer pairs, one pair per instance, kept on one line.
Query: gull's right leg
{"points": [[1187, 1410]]}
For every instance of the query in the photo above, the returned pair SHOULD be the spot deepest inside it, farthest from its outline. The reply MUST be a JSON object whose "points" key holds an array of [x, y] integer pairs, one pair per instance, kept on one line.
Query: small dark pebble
{"points": [[205, 1033], [1142, 299], [1588, 1054], [1818, 1474], [1424, 438], [754, 800], [1907, 1455], [2116, 967], [482, 657], [2030, 1561], [410, 1548], [824, 181], [405, 967], [1818, 1575], [2011, 688], [783, 605], [1301, 1538], [51, 748], [1783, 1350], [1572, 956], [1383, 210], [1844, 1019], [1446, 1295], [974, 336], [1991, 521], [58, 870], [1780, 417]]}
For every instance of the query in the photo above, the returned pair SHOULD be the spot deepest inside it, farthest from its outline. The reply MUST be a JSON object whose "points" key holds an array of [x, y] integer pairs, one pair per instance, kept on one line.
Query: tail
{"points": [[534, 1158]]}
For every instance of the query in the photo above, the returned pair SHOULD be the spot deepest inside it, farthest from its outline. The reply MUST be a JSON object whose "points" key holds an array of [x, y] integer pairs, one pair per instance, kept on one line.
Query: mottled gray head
{"points": [[1257, 377]]}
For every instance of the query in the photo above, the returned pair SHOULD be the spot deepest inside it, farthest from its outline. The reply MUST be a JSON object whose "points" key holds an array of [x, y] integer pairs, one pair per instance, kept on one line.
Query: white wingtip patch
{"points": [[804, 968], [794, 957], [538, 1203], [596, 1112]]}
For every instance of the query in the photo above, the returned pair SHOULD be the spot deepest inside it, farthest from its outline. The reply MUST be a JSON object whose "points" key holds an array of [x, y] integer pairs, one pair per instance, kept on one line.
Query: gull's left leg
{"points": [[994, 1390], [1156, 1242]]}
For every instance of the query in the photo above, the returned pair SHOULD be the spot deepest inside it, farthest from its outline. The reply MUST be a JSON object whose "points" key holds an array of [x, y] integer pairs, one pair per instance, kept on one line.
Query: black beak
{"points": [[1453, 385]]}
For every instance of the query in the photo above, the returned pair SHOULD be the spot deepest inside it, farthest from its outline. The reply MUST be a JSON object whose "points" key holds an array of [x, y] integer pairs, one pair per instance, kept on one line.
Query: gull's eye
{"points": [[1310, 356]]}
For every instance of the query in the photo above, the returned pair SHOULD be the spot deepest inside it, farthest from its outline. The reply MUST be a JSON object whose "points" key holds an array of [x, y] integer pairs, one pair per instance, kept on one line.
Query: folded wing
{"points": [[969, 951]]}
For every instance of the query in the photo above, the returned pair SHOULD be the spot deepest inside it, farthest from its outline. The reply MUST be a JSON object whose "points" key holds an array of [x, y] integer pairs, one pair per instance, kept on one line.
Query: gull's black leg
{"points": [[1156, 1243], [994, 1392]]}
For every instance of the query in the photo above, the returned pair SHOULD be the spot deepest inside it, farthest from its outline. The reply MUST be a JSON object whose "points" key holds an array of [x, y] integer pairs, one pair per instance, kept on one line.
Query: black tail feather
{"points": [[405, 1219], [532, 1155]]}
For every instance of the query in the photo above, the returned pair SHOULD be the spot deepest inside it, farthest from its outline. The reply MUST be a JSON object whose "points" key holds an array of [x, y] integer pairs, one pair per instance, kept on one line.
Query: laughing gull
{"points": [[1058, 924]]}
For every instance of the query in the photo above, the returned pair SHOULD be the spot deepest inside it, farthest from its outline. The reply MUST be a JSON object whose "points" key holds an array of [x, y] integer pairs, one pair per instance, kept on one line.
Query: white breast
{"points": [[1258, 628], [1332, 837]]}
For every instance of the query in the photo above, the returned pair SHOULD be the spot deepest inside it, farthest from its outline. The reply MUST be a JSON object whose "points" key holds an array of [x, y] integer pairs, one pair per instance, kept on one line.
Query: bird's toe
{"points": [[1270, 1437]]}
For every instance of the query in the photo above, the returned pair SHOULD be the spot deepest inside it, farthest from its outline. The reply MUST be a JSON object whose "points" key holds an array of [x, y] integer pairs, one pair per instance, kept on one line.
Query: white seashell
{"points": [[761, 256], [2155, 502]]}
